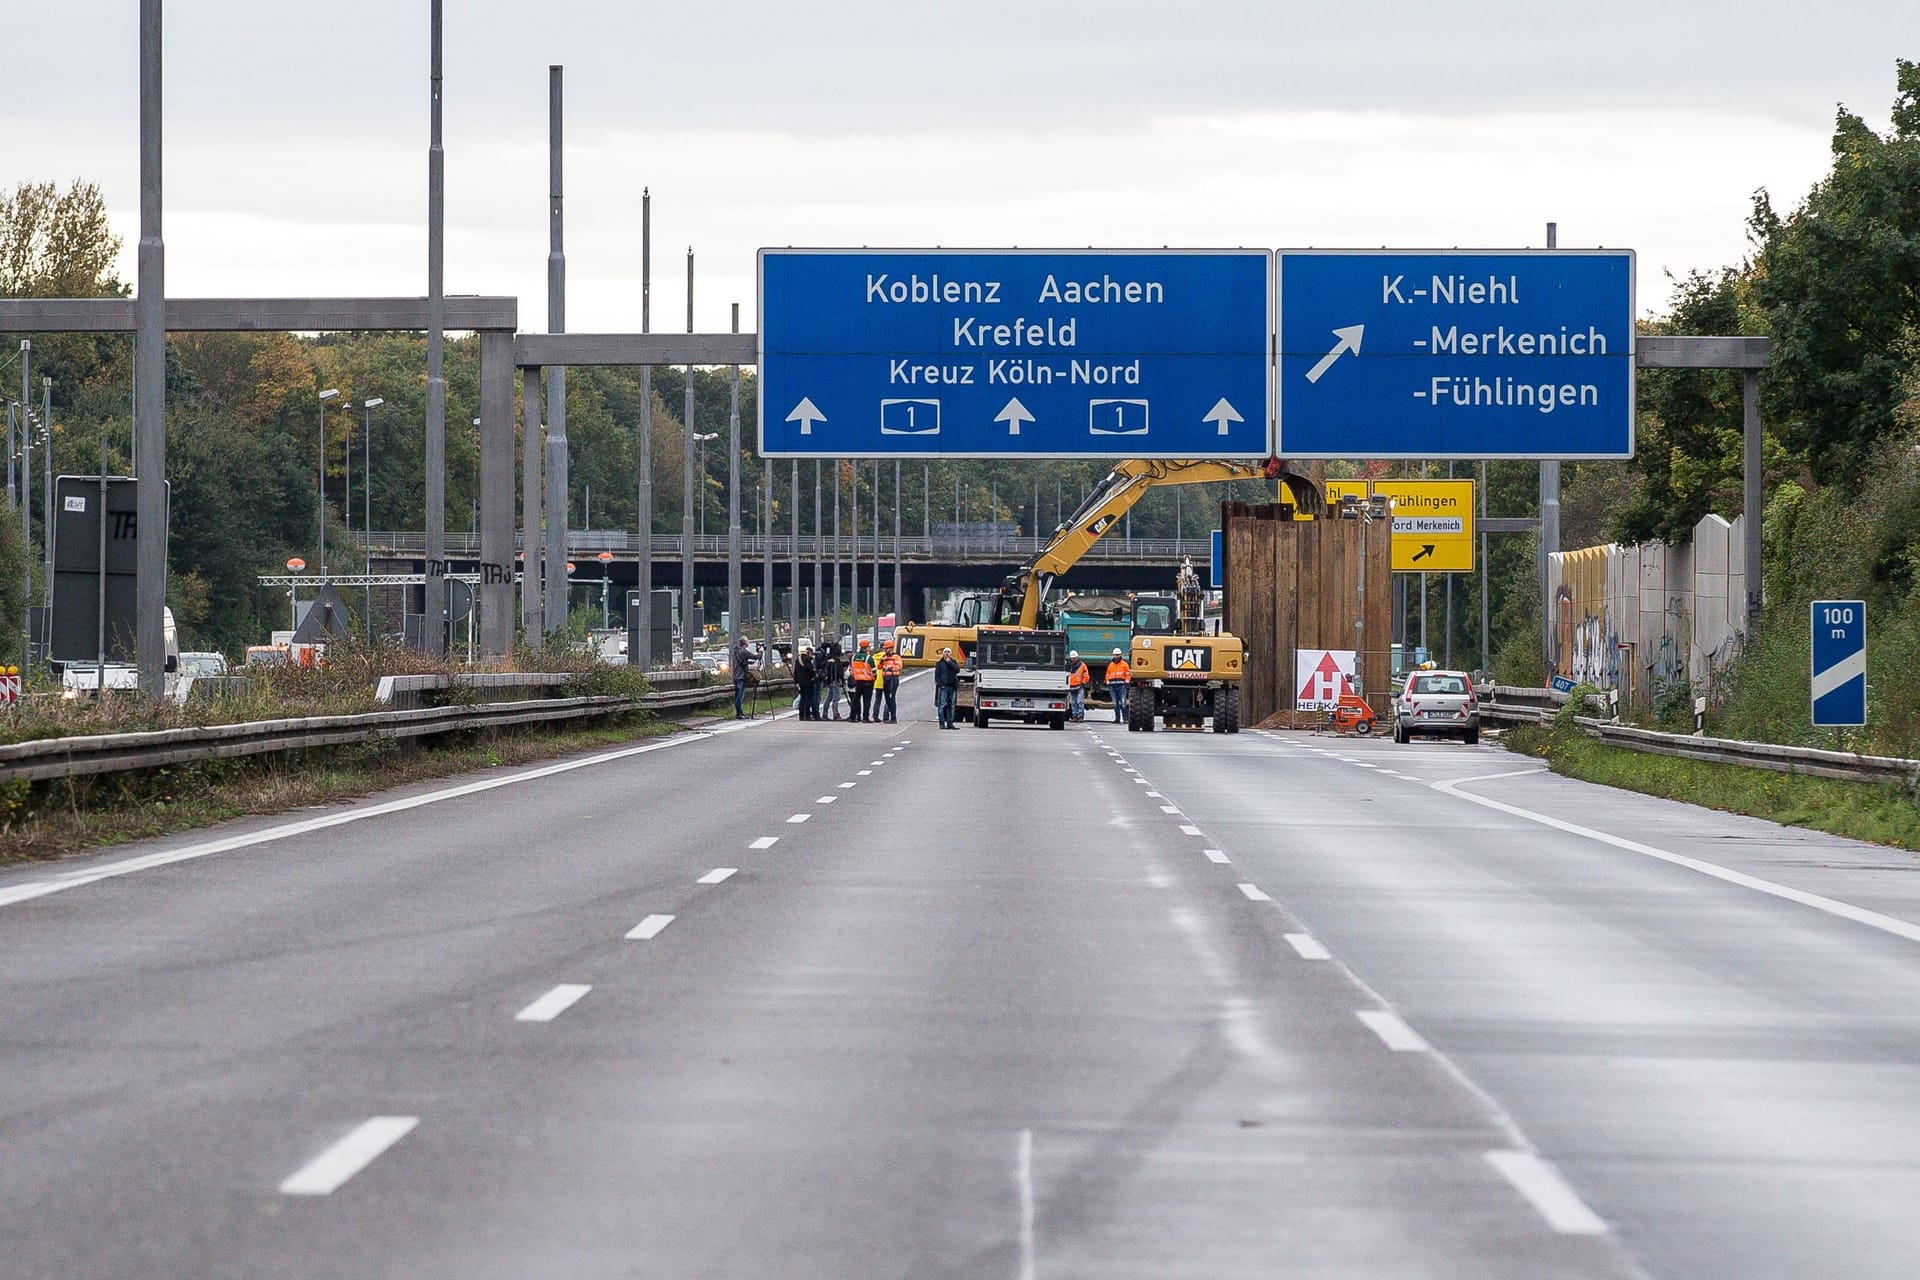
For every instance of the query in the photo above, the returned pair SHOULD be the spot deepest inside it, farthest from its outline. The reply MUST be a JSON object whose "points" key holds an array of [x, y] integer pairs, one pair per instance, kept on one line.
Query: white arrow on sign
{"points": [[1349, 341], [1222, 413], [1013, 415], [806, 413]]}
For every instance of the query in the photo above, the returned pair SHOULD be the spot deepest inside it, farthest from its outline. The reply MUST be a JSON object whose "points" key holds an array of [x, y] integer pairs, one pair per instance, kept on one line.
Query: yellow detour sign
{"points": [[1432, 521]]}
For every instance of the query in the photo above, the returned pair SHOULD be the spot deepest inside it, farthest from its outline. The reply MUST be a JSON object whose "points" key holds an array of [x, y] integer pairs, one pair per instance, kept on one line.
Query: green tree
{"points": [[1839, 280]]}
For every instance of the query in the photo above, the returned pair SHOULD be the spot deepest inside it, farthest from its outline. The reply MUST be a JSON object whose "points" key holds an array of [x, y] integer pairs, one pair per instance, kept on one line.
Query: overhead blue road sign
{"points": [[1217, 563], [1014, 353], [1839, 661], [1455, 354]]}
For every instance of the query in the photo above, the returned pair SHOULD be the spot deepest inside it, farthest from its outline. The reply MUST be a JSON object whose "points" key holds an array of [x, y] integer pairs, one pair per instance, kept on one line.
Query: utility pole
{"points": [[559, 492], [836, 550], [1549, 524], [735, 632], [899, 613], [687, 629], [435, 605], [820, 631], [876, 556], [643, 657], [149, 382]]}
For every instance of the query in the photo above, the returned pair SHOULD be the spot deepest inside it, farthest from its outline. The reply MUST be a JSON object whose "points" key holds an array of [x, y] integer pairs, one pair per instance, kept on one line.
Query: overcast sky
{"points": [[296, 133]]}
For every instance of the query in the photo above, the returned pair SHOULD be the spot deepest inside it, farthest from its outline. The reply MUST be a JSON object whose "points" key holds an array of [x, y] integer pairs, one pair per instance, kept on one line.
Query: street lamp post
{"points": [[325, 396], [606, 582], [366, 489]]}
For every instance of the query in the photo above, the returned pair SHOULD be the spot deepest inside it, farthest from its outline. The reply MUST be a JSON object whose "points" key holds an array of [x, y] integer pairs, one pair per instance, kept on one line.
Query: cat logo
{"points": [[911, 646], [1103, 524], [1186, 658]]}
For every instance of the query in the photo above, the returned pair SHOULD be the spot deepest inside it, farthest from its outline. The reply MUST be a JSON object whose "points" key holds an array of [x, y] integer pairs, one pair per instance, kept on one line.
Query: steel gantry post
{"points": [[434, 623], [735, 632], [559, 506], [686, 499], [149, 379], [642, 656]]}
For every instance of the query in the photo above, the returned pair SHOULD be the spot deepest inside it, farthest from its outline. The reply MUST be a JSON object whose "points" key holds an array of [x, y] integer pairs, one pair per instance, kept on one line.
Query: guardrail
{"points": [[81, 756], [1513, 705]]}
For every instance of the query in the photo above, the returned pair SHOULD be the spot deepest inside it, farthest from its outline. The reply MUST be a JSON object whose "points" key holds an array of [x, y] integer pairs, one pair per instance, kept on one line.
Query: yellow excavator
{"points": [[1021, 599]]}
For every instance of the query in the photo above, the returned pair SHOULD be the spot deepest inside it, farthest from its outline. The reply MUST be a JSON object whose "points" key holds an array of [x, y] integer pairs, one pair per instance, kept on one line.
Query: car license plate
{"points": [[1023, 702]]}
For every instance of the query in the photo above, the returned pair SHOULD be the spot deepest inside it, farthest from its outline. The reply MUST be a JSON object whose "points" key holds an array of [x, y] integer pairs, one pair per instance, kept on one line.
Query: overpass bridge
{"points": [[926, 563]]}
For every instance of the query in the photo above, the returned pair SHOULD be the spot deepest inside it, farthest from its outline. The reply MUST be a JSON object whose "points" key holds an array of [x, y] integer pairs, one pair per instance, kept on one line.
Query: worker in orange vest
{"points": [[860, 675], [1119, 681], [891, 665], [1077, 679]]}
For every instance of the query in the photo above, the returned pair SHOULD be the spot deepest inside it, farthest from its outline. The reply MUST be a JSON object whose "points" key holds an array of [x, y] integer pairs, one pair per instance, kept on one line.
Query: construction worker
{"points": [[1119, 680], [860, 673], [1077, 679], [891, 665]]}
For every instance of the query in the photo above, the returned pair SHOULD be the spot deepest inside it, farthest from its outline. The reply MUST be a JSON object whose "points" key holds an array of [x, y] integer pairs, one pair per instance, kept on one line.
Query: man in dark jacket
{"points": [[741, 659], [830, 671], [805, 680], [946, 686]]}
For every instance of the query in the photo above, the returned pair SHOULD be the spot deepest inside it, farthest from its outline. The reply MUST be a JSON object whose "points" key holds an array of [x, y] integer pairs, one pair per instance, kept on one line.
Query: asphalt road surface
{"points": [[832, 1000]]}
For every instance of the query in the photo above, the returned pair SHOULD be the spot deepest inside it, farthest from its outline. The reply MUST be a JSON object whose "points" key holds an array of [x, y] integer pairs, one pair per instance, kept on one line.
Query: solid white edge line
{"points": [[1547, 1192], [147, 862], [1215, 855], [765, 842], [1832, 906], [555, 1002], [328, 1171], [716, 875], [1023, 1179], [1308, 946], [1392, 1030], [650, 927], [1254, 893]]}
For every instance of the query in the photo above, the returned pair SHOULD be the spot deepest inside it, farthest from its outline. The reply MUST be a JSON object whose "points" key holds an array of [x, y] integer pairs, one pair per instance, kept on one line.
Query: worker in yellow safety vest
{"points": [[1078, 678], [1119, 681], [891, 665]]}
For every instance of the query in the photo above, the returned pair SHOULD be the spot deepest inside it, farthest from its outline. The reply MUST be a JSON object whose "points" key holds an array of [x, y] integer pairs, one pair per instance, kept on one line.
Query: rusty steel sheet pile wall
{"points": [[1295, 584]]}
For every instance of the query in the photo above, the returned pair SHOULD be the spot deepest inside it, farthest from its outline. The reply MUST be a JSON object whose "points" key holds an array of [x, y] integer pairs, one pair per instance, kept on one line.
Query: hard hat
{"points": [[1073, 653], [1116, 653]]}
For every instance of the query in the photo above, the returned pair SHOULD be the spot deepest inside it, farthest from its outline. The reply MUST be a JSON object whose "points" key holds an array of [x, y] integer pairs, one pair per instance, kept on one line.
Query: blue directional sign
{"points": [[1839, 661], [1014, 353], [1461, 354], [1217, 562]]}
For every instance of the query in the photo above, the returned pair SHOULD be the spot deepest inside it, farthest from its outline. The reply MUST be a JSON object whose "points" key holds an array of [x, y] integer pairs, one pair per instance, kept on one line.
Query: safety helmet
{"points": [[1116, 653], [1073, 653]]}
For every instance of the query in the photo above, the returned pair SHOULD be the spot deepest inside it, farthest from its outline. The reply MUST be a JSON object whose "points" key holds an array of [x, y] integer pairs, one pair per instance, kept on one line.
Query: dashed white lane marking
{"points": [[845, 785], [1254, 893], [798, 817], [1155, 795], [555, 1002], [1187, 830], [329, 1171], [651, 926], [1168, 808], [906, 742], [765, 842], [826, 799], [865, 773], [716, 875], [1215, 855], [1308, 946], [1421, 782], [882, 760], [1363, 764], [1023, 1181], [146, 862], [1392, 1030], [1832, 906], [1143, 782], [1128, 769], [1547, 1192]]}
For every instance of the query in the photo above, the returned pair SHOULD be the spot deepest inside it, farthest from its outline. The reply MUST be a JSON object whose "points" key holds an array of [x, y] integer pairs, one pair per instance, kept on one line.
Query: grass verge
{"points": [[1880, 813], [46, 820]]}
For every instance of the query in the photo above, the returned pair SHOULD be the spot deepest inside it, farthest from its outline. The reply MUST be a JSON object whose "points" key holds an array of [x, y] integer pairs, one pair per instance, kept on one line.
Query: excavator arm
{"points": [[1126, 484]]}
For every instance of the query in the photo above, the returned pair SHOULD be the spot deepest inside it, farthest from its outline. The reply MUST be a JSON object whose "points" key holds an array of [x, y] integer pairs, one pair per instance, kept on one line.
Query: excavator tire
{"points": [[1140, 711], [1226, 710]]}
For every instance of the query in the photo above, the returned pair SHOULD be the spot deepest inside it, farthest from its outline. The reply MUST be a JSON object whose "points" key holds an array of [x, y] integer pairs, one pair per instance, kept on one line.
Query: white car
{"points": [[1437, 702]]}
